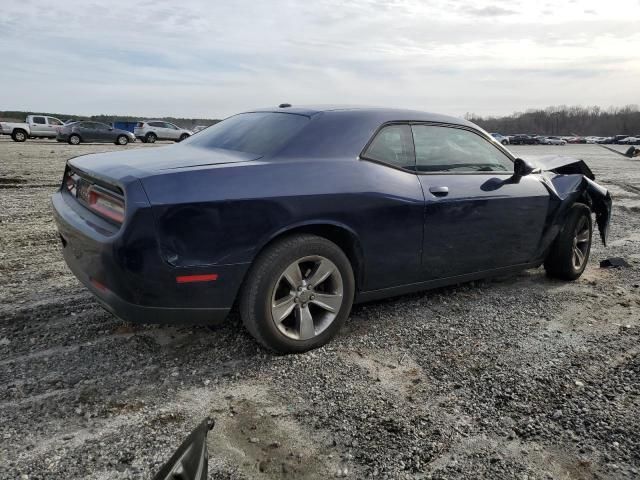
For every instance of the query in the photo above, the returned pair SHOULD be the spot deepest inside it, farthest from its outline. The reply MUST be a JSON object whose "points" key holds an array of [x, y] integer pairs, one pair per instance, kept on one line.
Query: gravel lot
{"points": [[523, 377]]}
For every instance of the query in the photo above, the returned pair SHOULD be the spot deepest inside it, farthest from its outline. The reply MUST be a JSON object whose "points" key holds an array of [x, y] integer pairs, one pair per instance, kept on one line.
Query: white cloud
{"points": [[211, 59]]}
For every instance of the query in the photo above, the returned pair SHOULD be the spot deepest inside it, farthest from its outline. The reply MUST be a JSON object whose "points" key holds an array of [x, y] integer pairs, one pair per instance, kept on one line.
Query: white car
{"points": [[34, 126], [500, 138], [552, 141], [630, 141], [151, 130]]}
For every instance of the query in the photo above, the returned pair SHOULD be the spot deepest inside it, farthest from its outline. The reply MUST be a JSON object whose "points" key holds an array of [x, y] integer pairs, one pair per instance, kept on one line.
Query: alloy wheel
{"points": [[307, 297], [581, 242], [20, 136]]}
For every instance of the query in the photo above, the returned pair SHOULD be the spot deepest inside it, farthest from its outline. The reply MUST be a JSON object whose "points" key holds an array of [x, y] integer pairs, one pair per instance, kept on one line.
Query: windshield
{"points": [[260, 133]]}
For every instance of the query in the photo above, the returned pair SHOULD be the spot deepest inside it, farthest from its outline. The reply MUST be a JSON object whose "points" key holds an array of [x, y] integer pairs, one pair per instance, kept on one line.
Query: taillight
{"points": [[70, 181], [140, 125], [106, 205]]}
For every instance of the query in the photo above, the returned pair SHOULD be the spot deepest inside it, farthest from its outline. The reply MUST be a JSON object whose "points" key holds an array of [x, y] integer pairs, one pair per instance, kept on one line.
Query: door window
{"points": [[392, 145], [170, 126], [449, 149], [39, 120], [54, 121]]}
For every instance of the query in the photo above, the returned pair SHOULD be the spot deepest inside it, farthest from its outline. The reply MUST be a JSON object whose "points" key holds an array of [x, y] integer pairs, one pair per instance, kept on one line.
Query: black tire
{"points": [[19, 135], [122, 140], [262, 282], [74, 139], [184, 136], [150, 138], [504, 142], [561, 261]]}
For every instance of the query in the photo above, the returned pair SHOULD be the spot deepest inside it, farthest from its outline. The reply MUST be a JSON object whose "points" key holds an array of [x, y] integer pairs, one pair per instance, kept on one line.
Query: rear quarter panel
{"points": [[226, 214]]}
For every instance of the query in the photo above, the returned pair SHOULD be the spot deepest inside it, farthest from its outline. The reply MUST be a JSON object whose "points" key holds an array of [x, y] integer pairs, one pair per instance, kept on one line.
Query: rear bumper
{"points": [[134, 313], [124, 270]]}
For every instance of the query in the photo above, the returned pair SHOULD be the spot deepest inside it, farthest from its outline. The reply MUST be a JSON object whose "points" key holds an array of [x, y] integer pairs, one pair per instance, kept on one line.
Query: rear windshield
{"points": [[259, 133]]}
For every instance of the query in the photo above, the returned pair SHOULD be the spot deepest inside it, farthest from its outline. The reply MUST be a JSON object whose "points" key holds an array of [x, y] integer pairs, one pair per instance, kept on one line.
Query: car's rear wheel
{"points": [[298, 293], [122, 140], [19, 136], [569, 253], [151, 138], [74, 139], [505, 142]]}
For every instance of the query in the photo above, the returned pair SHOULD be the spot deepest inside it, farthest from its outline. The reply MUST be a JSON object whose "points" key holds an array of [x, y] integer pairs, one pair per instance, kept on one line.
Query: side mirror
{"points": [[521, 168]]}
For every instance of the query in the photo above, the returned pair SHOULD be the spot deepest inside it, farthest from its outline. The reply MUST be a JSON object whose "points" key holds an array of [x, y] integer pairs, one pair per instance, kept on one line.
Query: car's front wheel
{"points": [[74, 139], [184, 136], [569, 253], [298, 293]]}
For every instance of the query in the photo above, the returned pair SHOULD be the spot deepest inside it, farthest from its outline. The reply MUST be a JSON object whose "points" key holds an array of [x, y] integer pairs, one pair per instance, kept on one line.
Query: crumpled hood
{"points": [[564, 165], [146, 161]]}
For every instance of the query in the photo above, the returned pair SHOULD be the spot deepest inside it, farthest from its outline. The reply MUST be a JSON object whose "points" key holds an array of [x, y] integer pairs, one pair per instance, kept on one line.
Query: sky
{"points": [[211, 59]]}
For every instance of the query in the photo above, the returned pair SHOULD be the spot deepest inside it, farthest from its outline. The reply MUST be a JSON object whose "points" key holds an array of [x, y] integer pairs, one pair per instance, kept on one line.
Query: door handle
{"points": [[439, 191]]}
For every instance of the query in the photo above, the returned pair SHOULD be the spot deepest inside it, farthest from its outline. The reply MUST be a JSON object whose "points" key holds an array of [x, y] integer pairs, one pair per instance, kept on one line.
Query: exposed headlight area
{"points": [[104, 202]]}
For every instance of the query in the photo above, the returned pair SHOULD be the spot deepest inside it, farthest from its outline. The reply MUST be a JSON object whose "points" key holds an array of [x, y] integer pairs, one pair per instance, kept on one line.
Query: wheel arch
{"points": [[18, 130], [342, 235]]}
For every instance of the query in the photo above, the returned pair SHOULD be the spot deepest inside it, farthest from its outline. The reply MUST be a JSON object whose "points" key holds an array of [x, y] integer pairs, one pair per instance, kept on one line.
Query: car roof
{"points": [[380, 113]]}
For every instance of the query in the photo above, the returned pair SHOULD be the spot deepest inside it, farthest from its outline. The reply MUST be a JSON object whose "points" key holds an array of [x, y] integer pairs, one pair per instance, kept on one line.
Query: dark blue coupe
{"points": [[295, 213]]}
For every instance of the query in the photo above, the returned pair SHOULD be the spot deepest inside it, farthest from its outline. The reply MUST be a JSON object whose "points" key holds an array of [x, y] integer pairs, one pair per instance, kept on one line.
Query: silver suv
{"points": [[151, 130]]}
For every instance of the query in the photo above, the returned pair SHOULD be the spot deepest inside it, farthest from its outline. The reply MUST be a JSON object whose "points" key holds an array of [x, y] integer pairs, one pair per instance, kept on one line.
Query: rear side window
{"points": [[259, 133], [39, 120], [156, 124], [448, 149], [392, 145]]}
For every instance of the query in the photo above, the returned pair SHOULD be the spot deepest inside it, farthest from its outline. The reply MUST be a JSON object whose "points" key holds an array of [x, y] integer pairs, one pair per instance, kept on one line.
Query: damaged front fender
{"points": [[569, 180]]}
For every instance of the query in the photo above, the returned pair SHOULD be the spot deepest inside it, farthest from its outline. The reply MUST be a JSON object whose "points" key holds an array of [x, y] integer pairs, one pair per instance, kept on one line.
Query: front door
{"points": [[171, 131], [53, 125], [476, 217]]}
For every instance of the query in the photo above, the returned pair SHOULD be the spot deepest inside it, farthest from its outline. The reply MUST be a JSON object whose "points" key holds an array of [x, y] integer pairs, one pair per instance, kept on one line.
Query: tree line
{"points": [[565, 120], [560, 120]]}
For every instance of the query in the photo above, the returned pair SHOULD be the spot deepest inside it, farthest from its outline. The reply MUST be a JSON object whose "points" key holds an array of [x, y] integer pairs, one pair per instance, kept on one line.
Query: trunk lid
{"points": [[144, 162]]}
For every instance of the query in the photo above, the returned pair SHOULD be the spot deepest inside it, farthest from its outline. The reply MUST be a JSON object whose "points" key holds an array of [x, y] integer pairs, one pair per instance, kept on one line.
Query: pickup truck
{"points": [[35, 126]]}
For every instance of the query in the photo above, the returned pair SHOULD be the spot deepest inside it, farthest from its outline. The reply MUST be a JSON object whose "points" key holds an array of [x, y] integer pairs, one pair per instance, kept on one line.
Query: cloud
{"points": [[489, 11], [212, 59]]}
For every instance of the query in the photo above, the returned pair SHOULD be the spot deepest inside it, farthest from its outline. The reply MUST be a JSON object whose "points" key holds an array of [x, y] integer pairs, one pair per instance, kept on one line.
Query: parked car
{"points": [[522, 139], [34, 126], [618, 138], [151, 130], [630, 141], [76, 133], [295, 213], [501, 138], [552, 141], [199, 128]]}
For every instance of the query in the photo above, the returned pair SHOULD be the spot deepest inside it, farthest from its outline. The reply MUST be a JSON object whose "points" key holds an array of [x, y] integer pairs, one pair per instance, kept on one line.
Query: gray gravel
{"points": [[523, 377]]}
